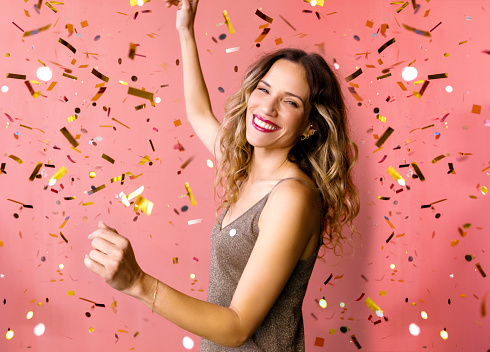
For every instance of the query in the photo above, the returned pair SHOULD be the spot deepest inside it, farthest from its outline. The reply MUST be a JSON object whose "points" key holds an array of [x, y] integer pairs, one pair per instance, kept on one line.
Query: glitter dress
{"points": [[282, 328]]}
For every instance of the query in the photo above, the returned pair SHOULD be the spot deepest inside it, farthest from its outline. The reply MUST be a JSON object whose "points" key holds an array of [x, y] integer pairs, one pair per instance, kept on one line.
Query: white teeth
{"points": [[264, 125]]}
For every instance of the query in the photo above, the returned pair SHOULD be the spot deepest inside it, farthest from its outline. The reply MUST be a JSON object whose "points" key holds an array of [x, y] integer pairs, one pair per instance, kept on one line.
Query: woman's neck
{"points": [[269, 166]]}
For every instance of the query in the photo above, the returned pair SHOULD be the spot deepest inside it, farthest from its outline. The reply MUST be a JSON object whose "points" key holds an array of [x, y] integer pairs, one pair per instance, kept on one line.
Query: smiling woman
{"points": [[284, 163]]}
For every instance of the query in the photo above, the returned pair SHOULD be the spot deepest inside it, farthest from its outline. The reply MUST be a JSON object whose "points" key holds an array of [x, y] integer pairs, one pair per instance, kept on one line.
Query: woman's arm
{"points": [[197, 103]]}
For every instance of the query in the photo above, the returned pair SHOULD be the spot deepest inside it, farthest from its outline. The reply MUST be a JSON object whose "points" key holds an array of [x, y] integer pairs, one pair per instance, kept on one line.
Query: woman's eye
{"points": [[262, 89], [292, 103]]}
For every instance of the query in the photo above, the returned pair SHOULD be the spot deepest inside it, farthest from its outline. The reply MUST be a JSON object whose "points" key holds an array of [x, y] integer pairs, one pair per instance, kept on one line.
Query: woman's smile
{"points": [[264, 125]]}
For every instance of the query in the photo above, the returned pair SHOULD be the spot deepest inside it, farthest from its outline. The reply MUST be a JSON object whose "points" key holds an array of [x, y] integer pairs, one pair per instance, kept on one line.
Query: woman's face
{"points": [[278, 108]]}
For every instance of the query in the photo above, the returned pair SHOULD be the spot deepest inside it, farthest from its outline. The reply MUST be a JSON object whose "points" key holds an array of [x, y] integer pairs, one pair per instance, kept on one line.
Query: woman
{"points": [[284, 164]]}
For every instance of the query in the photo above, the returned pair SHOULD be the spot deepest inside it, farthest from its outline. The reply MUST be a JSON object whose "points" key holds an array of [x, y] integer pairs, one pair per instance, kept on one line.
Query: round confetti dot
{"points": [[119, 61], [332, 331], [438, 215], [232, 232], [379, 313], [91, 174], [9, 334], [392, 266], [188, 343], [336, 65], [44, 73], [16, 215], [90, 329], [235, 68], [359, 104], [423, 314], [343, 329], [88, 315], [141, 2], [410, 259], [7, 55], [414, 329], [94, 103], [444, 334], [257, 45], [468, 257], [382, 293], [401, 182], [376, 110], [177, 62], [184, 208], [39, 329], [409, 73], [158, 100], [209, 163], [43, 258], [61, 266], [342, 304], [134, 78], [30, 314], [221, 89], [222, 36], [484, 190], [356, 37], [192, 276], [323, 303], [374, 35], [446, 54], [1, 243], [449, 89], [5, 89], [97, 37], [454, 243], [71, 293], [77, 110]]}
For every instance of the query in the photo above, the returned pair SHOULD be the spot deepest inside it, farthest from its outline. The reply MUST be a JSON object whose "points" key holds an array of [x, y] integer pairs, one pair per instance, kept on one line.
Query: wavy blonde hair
{"points": [[327, 157]]}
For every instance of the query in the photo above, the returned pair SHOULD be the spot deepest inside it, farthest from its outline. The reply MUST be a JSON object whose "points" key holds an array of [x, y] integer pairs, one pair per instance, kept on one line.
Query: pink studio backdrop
{"points": [[435, 261]]}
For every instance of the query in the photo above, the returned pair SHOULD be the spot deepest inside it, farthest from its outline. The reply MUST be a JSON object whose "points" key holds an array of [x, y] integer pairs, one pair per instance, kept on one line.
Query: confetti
{"points": [[396, 176], [100, 75], [68, 45], [108, 158], [132, 50], [358, 345], [70, 138], [189, 193], [57, 176], [231, 50], [437, 76], [417, 31], [476, 109], [228, 22], [19, 160], [436, 159], [99, 93], [141, 94], [480, 269], [319, 341], [36, 31], [391, 236], [265, 17], [418, 172], [16, 76], [384, 137], [329, 278], [264, 33], [385, 45], [193, 222], [144, 204], [354, 75]]}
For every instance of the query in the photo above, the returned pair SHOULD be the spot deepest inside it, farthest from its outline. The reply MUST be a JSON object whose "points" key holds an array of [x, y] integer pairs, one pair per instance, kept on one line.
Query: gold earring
{"points": [[304, 138]]}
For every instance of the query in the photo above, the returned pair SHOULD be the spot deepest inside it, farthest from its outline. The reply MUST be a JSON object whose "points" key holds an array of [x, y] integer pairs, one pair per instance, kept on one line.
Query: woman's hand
{"points": [[186, 13], [112, 258]]}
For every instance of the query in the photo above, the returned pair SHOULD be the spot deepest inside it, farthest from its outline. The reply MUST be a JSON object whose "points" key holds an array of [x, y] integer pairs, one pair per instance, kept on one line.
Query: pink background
{"points": [[438, 273]]}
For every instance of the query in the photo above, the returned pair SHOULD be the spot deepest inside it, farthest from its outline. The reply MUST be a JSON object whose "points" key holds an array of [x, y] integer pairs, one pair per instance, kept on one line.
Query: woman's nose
{"points": [[269, 106]]}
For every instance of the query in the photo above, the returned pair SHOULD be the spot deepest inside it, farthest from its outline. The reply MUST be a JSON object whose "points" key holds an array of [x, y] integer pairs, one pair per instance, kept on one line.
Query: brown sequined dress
{"points": [[282, 328]]}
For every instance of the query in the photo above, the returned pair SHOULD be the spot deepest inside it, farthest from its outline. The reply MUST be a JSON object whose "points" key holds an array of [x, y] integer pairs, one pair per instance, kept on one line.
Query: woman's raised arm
{"points": [[197, 103]]}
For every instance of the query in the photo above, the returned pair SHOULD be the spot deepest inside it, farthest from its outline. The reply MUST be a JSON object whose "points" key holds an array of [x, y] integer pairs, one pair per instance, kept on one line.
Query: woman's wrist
{"points": [[186, 33]]}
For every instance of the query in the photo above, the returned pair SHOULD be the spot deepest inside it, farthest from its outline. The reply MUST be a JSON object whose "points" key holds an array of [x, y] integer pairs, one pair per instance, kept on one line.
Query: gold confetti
{"points": [[144, 204], [142, 94], [189, 193], [99, 93], [84, 24], [384, 137], [396, 176], [51, 86], [100, 75], [68, 45], [383, 76], [69, 76], [108, 158], [51, 7], [132, 50], [263, 16], [228, 22], [16, 76], [354, 75], [385, 45], [56, 177], [145, 159], [35, 171], [19, 160], [70, 138], [72, 118], [417, 31], [418, 172], [402, 86], [436, 159], [437, 76], [36, 31], [373, 306]]}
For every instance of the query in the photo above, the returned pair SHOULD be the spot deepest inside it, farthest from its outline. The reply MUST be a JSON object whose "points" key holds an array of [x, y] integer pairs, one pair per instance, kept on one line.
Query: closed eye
{"points": [[263, 89], [292, 103]]}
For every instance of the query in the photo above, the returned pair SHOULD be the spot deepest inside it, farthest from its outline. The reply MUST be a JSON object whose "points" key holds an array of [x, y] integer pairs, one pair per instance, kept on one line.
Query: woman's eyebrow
{"points": [[288, 93]]}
